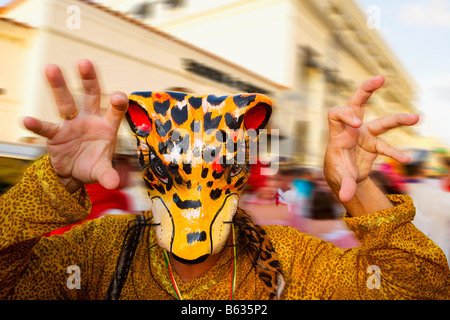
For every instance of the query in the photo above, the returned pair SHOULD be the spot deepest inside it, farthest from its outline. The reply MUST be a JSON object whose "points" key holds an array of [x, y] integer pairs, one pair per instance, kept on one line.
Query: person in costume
{"points": [[196, 243]]}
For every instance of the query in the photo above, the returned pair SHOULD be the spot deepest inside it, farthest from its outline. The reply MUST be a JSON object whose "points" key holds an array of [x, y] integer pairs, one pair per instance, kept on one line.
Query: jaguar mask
{"points": [[194, 156]]}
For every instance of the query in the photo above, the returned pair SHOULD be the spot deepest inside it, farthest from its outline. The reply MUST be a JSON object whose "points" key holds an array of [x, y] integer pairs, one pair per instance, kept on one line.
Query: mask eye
{"points": [[235, 170], [160, 172]]}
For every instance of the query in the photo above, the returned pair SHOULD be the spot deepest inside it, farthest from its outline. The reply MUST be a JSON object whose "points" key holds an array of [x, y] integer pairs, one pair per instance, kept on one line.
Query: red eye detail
{"points": [[158, 96], [139, 119]]}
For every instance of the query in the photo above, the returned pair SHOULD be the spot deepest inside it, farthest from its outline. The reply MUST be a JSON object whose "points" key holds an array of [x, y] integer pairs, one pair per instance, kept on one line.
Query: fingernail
{"points": [[356, 120]]}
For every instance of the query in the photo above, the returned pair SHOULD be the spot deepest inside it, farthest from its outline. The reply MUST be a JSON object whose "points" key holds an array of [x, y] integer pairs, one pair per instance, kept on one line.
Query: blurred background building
{"points": [[320, 50], [306, 55]]}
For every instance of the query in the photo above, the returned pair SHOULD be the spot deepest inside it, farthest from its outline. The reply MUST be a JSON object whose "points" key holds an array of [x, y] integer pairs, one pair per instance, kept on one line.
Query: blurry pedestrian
{"points": [[265, 205], [303, 186], [325, 220], [445, 181], [432, 206], [385, 183]]}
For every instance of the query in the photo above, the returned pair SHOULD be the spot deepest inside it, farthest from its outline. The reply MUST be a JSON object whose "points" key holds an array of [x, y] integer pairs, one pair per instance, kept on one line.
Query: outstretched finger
{"points": [[91, 87], [384, 124], [362, 95], [42, 128], [119, 105], [63, 98], [383, 148]]}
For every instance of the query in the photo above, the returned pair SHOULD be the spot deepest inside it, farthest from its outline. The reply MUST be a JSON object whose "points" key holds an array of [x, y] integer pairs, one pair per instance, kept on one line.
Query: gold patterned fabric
{"points": [[395, 261]]}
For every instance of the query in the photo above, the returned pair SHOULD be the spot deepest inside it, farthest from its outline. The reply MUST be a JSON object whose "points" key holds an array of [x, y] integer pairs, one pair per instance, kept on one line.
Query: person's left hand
{"points": [[354, 145]]}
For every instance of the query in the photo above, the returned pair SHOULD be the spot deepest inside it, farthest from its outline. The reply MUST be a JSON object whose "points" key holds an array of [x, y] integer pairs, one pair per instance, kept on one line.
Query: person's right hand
{"points": [[81, 149]]}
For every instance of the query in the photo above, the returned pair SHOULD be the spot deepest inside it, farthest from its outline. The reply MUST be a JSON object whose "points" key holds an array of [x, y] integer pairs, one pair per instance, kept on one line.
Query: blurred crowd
{"points": [[300, 197]]}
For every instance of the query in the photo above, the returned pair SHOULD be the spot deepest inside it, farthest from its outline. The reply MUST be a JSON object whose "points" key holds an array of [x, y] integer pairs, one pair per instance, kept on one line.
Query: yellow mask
{"points": [[193, 151]]}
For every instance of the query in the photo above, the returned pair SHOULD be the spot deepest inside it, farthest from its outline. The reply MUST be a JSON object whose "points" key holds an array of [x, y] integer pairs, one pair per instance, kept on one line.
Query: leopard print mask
{"points": [[194, 155]]}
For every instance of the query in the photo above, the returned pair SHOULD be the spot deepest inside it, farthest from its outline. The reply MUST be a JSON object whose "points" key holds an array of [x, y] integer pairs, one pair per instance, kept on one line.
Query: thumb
{"points": [[108, 177], [348, 188]]}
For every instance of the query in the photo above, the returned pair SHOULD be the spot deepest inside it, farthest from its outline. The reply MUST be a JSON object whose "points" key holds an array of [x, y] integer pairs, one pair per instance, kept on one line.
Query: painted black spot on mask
{"points": [[240, 181], [141, 160], [149, 175], [242, 101], [161, 107], [148, 185], [161, 128], [177, 95], [241, 187], [214, 100], [211, 123], [160, 188], [218, 175], [186, 204], [194, 237], [215, 194], [179, 115], [233, 122], [187, 168], [173, 168], [195, 102], [178, 180]]}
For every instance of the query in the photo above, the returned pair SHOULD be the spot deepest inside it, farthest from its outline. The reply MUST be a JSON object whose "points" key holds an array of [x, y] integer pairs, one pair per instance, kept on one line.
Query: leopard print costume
{"points": [[36, 267], [274, 262]]}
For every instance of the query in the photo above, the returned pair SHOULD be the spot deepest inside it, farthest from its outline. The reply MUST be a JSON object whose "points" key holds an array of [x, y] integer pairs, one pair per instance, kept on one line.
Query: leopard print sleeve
{"points": [[38, 204], [395, 260]]}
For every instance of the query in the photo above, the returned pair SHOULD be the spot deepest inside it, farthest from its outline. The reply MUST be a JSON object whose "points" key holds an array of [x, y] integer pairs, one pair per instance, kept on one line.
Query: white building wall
{"points": [[16, 44], [128, 57]]}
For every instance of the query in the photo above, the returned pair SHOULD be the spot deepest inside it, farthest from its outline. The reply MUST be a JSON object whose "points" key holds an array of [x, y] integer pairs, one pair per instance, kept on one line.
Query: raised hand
{"points": [[354, 145], [81, 146]]}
